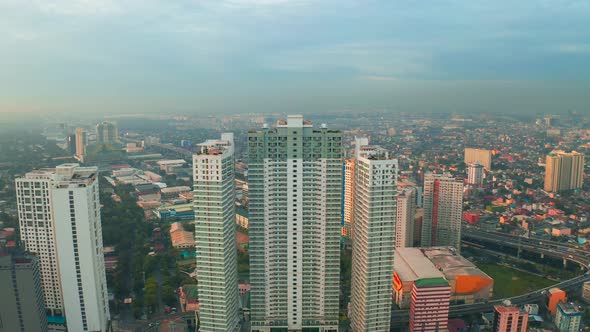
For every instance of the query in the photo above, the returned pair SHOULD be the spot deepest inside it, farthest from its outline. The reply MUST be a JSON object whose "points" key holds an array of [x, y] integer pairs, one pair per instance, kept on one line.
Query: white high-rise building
{"points": [[295, 187], [375, 197], [215, 235], [349, 165], [475, 174], [59, 216], [404, 224], [443, 208]]}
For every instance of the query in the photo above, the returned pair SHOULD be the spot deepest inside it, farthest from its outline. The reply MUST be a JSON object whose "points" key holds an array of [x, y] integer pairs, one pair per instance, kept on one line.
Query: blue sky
{"points": [[287, 55]]}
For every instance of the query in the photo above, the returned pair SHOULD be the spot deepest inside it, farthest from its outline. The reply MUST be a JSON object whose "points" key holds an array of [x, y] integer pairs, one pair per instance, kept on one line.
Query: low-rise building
{"points": [[189, 298], [174, 192], [179, 212], [181, 238]]}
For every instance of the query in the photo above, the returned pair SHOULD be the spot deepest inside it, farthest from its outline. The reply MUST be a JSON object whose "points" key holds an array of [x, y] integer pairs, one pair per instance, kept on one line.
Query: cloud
{"points": [[262, 3], [364, 58], [378, 78], [79, 7], [573, 49]]}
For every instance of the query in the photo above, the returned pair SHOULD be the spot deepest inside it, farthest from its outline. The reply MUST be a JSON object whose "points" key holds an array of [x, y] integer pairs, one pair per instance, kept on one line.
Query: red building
{"points": [[429, 310], [509, 319], [471, 217]]}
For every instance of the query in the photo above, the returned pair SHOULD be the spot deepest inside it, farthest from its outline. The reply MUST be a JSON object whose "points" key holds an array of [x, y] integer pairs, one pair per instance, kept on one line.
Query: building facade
{"points": [[215, 235], [483, 156], [107, 132], [568, 317], [349, 165], [295, 188], [22, 308], [81, 143], [475, 174], [586, 291], [59, 216], [429, 309], [509, 319], [404, 223], [564, 171], [375, 198], [443, 207]]}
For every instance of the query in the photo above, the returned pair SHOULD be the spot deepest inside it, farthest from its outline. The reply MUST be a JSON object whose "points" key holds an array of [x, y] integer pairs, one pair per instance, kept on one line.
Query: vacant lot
{"points": [[509, 282]]}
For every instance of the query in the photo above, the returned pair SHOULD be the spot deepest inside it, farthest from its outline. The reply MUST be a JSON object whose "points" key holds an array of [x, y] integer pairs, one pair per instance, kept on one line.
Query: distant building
{"points": [[107, 132], [373, 246], [170, 166], [554, 297], [467, 283], [564, 171], [509, 319], [568, 317], [173, 192], [71, 143], [475, 174], [443, 207], [404, 224], [81, 143], [179, 212], [483, 156], [429, 308], [59, 218], [22, 308]]}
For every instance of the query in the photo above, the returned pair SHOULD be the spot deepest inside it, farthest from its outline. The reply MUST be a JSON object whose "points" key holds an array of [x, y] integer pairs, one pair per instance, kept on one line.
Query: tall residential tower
{"points": [[59, 217], [404, 224], [81, 143], [215, 235], [295, 186], [564, 171], [375, 197], [107, 132], [22, 308], [443, 207]]}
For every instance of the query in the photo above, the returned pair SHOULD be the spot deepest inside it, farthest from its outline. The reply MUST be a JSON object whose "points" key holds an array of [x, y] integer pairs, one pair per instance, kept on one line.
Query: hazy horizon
{"points": [[241, 56]]}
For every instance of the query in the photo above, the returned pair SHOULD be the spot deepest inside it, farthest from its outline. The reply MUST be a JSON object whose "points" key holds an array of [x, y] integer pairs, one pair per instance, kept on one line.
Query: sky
{"points": [[208, 56]]}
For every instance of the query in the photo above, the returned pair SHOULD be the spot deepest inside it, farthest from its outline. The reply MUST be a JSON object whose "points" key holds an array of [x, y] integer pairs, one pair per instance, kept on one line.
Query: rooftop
{"points": [[569, 308], [411, 264]]}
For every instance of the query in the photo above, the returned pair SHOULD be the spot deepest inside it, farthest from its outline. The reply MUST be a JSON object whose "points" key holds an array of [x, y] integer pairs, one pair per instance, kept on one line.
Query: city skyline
{"points": [[75, 56]]}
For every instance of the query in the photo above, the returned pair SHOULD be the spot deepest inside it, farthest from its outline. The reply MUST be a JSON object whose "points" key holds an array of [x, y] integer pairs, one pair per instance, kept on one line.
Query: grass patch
{"points": [[509, 282]]}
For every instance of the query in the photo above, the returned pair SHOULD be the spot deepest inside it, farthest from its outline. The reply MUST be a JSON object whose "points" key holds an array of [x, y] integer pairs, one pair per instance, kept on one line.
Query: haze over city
{"points": [[294, 166], [104, 57]]}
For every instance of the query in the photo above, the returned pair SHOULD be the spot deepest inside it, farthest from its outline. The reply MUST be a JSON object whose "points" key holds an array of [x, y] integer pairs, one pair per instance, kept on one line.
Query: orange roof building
{"points": [[468, 283], [181, 238], [554, 297]]}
